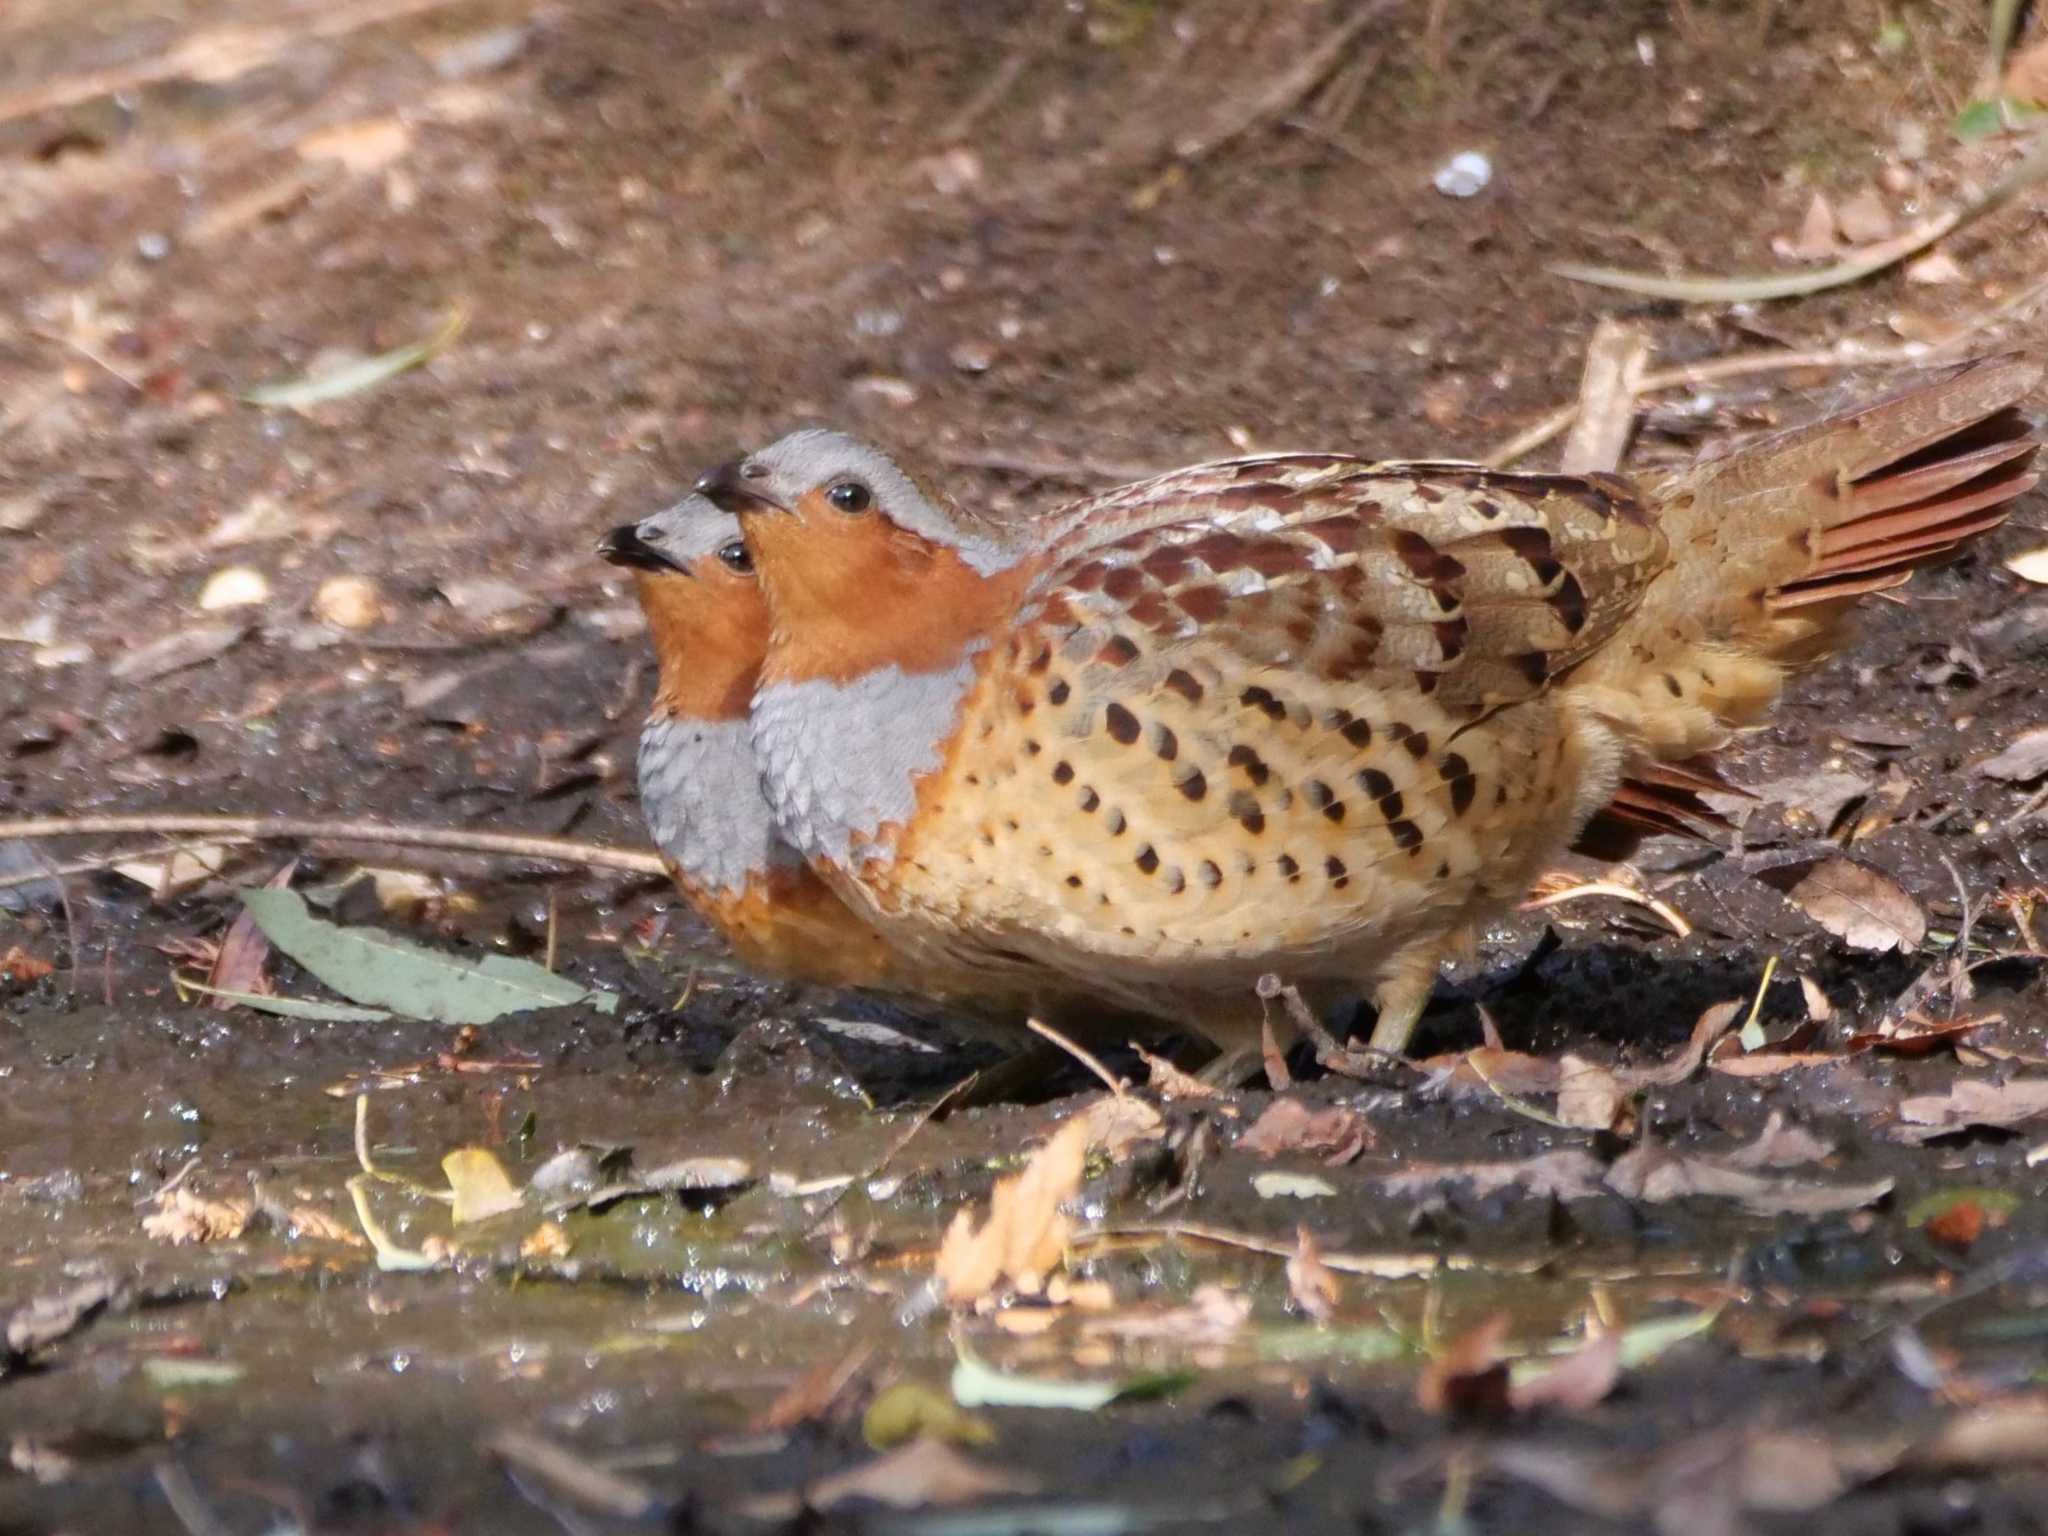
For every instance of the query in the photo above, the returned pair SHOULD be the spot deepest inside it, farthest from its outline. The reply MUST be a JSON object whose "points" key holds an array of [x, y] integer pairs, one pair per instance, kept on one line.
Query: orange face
{"points": [[706, 613], [855, 592], [863, 565]]}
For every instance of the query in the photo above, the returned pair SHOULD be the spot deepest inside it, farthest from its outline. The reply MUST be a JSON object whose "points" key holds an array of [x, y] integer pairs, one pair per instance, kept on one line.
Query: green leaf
{"points": [[1992, 1202], [911, 1409], [1368, 1345], [293, 1007], [367, 965], [1646, 1341], [1979, 120], [167, 1373], [365, 373], [976, 1385]]}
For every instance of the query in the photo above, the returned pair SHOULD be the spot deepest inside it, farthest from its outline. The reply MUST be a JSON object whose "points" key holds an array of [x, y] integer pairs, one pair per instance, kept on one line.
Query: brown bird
{"points": [[1302, 713], [698, 787]]}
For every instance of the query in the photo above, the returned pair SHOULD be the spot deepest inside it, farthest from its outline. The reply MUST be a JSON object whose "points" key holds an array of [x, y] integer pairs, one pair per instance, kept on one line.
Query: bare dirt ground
{"points": [[1043, 248]]}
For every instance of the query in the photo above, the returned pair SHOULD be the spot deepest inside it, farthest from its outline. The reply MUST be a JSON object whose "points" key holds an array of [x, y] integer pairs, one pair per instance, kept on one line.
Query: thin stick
{"points": [[1616, 359], [560, 850], [222, 53], [1285, 91], [1113, 1083], [1620, 892]]}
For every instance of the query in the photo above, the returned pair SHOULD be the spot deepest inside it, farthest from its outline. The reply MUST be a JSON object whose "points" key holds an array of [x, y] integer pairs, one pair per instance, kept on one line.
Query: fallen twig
{"points": [[1285, 91], [559, 850], [1620, 892], [1756, 287], [1616, 358], [1092, 1062]]}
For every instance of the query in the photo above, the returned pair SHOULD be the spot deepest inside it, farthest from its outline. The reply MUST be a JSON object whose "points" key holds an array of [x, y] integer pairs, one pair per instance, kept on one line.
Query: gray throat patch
{"points": [[701, 795], [841, 760]]}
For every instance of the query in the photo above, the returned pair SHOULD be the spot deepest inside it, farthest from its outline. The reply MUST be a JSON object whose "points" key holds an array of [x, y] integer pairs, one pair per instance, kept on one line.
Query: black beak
{"points": [[624, 546], [727, 488]]}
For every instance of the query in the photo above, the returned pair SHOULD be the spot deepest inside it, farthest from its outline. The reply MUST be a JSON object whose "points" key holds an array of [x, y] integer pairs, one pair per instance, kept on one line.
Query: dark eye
{"points": [[735, 556], [850, 496]]}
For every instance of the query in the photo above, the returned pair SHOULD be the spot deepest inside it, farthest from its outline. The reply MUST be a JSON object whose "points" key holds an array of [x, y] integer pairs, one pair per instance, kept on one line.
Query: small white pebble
{"points": [[349, 602], [234, 586], [1465, 174]]}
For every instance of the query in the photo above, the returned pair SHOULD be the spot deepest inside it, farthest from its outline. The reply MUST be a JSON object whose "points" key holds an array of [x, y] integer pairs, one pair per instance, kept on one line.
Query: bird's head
{"points": [[865, 565], [705, 611]]}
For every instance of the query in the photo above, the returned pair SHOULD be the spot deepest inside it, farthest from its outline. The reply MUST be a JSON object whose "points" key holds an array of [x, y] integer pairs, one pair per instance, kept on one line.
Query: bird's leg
{"points": [[1403, 992]]}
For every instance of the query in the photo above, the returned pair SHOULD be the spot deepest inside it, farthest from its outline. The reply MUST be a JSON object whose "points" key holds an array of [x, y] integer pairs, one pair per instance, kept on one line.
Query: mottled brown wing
{"points": [[1471, 586]]}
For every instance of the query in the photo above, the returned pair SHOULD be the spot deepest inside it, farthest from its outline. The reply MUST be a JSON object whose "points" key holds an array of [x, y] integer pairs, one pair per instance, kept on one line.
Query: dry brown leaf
{"points": [[1863, 908], [1771, 1063], [1657, 1174], [1710, 1027], [1864, 219], [1026, 1232], [1169, 1082], [238, 966], [2024, 759], [311, 1221], [1487, 1072], [812, 1394], [1469, 1378], [1577, 1381], [549, 1240], [924, 1472], [1816, 238], [2026, 74], [19, 965], [1818, 1008], [183, 1217], [1334, 1133], [361, 147], [1780, 1145], [1310, 1282], [1972, 1102], [1569, 1173], [1212, 1315], [1589, 1097], [1958, 1227], [1118, 1122]]}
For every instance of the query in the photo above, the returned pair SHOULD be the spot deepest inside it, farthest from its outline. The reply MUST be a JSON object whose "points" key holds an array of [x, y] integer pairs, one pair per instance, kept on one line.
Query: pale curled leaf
{"points": [[1657, 1174], [1972, 1102], [1589, 1097], [2024, 759], [1026, 1232], [1311, 1284], [1335, 1133], [480, 1185], [369, 966], [364, 373], [1864, 909]]}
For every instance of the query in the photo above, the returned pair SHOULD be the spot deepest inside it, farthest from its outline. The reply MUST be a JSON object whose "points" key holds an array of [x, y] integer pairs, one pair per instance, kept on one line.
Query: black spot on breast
{"points": [[1166, 744], [1183, 683], [1263, 700], [1339, 875], [1358, 733], [1377, 785], [1194, 785], [1209, 874], [1123, 725], [1244, 806], [1032, 749], [1174, 881], [1074, 882], [1063, 773], [1113, 822], [1405, 834], [1317, 793], [1146, 860], [1417, 742], [1457, 774], [1673, 687], [1117, 651], [1287, 866], [1058, 693], [1089, 800], [1253, 765]]}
